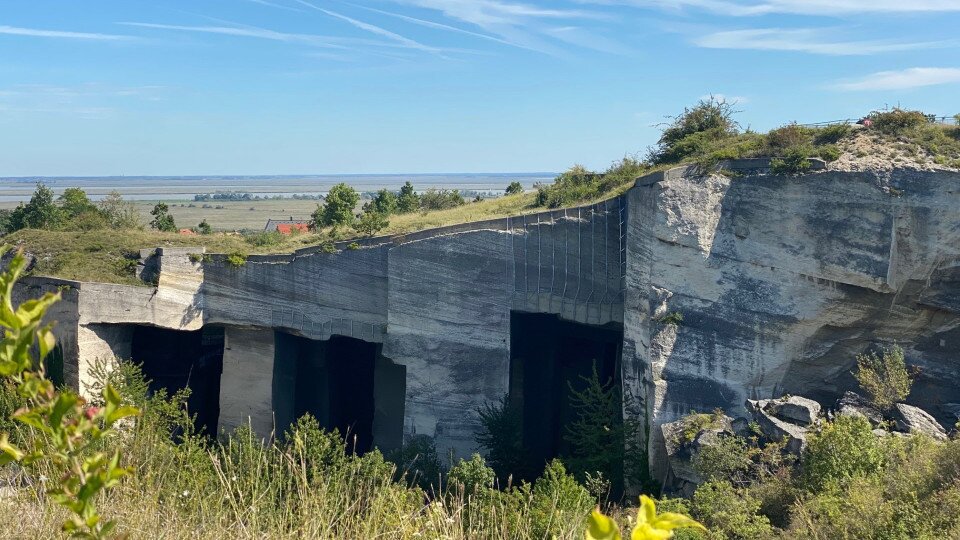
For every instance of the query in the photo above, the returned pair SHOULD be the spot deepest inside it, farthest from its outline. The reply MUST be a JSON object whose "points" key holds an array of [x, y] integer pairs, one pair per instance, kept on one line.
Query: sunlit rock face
{"points": [[781, 281], [725, 287]]}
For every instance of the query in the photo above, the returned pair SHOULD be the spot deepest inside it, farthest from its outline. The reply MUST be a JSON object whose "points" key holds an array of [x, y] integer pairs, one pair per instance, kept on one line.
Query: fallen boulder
{"points": [[853, 404], [775, 429], [795, 409], [910, 419]]}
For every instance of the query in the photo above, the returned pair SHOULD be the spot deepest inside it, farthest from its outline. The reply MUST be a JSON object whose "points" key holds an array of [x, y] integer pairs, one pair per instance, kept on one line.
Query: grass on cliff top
{"points": [[704, 135], [110, 255]]}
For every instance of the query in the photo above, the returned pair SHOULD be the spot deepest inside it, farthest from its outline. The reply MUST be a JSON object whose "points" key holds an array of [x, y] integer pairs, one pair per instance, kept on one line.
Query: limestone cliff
{"points": [[780, 281]]}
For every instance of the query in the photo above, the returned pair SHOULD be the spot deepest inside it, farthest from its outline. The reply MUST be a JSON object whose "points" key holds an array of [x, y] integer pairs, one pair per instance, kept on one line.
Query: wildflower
{"points": [[43, 478], [650, 526], [91, 412], [185, 493]]}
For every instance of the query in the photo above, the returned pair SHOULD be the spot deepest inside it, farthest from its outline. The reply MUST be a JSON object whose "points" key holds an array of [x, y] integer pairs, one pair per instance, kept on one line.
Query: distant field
{"points": [[232, 215]]}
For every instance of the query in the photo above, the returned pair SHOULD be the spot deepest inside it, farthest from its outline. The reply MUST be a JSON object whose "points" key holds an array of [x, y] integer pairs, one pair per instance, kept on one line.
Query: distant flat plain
{"points": [[178, 192]]}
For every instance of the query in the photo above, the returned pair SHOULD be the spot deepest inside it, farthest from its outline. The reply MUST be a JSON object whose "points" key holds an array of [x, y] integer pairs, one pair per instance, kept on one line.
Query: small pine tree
{"points": [[384, 203], [514, 188], [204, 228], [408, 200], [884, 377], [162, 220], [501, 435]]}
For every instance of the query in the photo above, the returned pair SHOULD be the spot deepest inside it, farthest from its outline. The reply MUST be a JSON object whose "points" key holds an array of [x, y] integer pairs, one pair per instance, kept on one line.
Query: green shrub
{"points": [[417, 462], [829, 152], [383, 203], [370, 223], [831, 134], [884, 377], [264, 238], [92, 220], [162, 220], [555, 500], [728, 513], [843, 450], [790, 136], [898, 121], [337, 208], [470, 476], [693, 130], [795, 161], [236, 259], [501, 436], [328, 247], [441, 199], [204, 228], [515, 188], [674, 318]]}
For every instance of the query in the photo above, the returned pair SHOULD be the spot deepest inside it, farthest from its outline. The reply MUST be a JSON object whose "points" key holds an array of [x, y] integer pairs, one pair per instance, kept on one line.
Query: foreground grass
{"points": [[307, 486]]}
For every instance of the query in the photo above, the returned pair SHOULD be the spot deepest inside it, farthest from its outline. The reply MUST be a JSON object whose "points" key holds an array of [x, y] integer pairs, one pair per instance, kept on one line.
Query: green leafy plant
{"points": [[470, 476], [72, 430], [204, 228], [795, 160], [370, 223], [843, 450], [237, 259], [898, 121], [884, 377], [674, 318]]}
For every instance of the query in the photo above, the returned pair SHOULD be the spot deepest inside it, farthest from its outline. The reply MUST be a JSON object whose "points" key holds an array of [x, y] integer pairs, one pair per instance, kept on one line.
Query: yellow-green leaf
{"points": [[600, 527]]}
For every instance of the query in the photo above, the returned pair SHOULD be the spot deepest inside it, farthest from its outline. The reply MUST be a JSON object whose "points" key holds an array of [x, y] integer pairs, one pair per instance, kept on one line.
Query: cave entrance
{"points": [[172, 360], [345, 383], [548, 357]]}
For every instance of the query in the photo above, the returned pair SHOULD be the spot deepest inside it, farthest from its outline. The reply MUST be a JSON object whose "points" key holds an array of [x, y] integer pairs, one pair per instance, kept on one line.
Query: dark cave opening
{"points": [[174, 359], [549, 357], [345, 383]]}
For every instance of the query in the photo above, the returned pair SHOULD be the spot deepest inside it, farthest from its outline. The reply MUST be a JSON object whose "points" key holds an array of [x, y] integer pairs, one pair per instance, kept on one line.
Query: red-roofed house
{"points": [[287, 226]]}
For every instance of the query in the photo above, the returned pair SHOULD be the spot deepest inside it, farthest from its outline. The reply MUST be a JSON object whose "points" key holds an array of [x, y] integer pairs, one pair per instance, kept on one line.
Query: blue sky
{"points": [[109, 87]]}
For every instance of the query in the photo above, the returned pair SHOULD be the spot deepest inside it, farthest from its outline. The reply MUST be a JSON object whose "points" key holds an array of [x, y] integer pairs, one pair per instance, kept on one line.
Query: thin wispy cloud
{"points": [[522, 25], [60, 34], [806, 40], [796, 7], [373, 29], [273, 5], [902, 79], [493, 13], [436, 25], [254, 32]]}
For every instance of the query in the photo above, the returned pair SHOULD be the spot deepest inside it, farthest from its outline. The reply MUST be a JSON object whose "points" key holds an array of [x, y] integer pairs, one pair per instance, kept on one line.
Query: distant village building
{"points": [[287, 226]]}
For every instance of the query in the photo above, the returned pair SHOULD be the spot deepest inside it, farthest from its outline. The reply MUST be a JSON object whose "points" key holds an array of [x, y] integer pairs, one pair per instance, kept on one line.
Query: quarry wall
{"points": [[780, 281]]}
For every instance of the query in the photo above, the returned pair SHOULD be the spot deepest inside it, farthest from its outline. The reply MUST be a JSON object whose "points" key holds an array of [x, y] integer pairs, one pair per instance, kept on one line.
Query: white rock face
{"points": [[780, 282]]}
